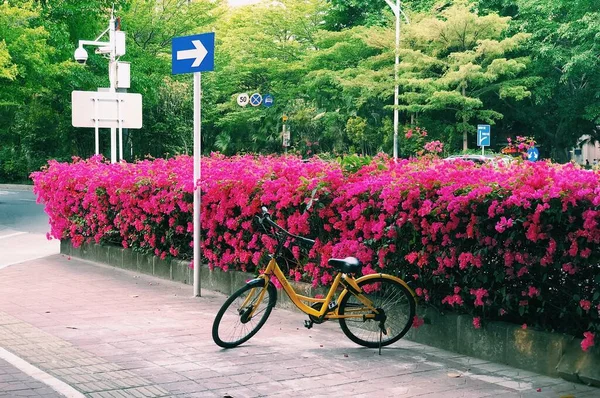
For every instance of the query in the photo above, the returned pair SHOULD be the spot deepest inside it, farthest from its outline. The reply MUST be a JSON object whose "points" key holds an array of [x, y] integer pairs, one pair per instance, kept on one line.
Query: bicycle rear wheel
{"points": [[391, 299], [243, 314]]}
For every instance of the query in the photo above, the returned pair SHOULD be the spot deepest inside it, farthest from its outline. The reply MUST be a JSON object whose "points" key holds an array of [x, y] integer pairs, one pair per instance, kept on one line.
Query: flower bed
{"points": [[516, 243]]}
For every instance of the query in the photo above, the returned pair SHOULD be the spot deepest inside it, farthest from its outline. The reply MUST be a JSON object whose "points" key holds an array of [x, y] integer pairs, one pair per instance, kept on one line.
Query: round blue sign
{"points": [[256, 99], [268, 100], [533, 154]]}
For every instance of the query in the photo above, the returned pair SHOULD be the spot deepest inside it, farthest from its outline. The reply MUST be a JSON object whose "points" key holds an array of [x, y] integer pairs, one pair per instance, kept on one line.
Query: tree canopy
{"points": [[527, 67]]}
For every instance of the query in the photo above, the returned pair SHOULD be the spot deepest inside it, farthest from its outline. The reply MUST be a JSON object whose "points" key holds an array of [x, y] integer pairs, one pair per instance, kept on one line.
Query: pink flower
{"points": [[533, 292], [588, 341], [477, 322], [524, 326], [408, 134], [585, 304], [479, 295], [434, 146], [412, 257], [504, 224], [452, 300], [569, 268], [417, 322]]}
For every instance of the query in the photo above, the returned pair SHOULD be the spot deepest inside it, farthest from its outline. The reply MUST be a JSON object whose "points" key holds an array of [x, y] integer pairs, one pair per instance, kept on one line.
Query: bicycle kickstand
{"points": [[308, 323]]}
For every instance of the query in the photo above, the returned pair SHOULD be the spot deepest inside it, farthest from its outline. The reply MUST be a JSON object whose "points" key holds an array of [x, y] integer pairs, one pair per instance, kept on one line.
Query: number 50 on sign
{"points": [[243, 99]]}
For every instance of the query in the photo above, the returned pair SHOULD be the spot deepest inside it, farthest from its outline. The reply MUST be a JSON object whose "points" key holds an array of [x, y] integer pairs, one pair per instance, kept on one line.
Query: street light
{"points": [[397, 10], [113, 48]]}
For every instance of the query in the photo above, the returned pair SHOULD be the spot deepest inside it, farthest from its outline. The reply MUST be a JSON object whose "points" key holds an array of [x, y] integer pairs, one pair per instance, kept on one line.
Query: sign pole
{"points": [[120, 122], [96, 132], [197, 175], [195, 54]]}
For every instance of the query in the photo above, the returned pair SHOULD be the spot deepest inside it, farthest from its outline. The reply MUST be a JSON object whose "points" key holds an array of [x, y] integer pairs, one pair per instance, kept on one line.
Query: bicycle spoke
{"points": [[391, 300], [233, 324]]}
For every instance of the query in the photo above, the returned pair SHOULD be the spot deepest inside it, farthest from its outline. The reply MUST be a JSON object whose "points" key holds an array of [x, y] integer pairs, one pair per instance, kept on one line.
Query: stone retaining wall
{"points": [[550, 354]]}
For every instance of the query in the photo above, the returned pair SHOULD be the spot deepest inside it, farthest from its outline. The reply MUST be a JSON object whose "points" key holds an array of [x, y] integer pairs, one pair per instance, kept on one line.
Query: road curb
{"points": [[16, 187]]}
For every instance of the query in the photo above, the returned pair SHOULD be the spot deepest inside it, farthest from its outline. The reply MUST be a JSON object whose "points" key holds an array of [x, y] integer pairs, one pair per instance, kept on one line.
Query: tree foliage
{"points": [[525, 66], [455, 62]]}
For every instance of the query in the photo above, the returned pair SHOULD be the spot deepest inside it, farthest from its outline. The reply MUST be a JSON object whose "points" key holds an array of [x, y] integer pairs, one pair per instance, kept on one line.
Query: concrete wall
{"points": [[550, 354]]}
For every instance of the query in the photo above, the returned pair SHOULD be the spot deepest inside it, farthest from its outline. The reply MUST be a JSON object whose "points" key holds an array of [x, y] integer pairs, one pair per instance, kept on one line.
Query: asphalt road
{"points": [[23, 227]]}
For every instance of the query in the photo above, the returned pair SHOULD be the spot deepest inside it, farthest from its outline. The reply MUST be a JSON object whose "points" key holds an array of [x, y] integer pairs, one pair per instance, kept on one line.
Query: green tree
{"points": [[168, 108], [343, 14], [456, 60], [564, 48], [264, 55], [30, 76]]}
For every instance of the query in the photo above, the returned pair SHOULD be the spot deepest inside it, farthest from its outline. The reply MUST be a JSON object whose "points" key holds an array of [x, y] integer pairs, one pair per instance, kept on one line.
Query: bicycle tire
{"points": [[390, 295], [230, 328]]}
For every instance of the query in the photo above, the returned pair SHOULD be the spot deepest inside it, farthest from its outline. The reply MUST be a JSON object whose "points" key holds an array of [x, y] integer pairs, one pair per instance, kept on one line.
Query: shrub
{"points": [[517, 243]]}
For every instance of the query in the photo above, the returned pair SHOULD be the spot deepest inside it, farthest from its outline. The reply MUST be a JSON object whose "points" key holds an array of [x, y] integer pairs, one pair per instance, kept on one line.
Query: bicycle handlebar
{"points": [[266, 217]]}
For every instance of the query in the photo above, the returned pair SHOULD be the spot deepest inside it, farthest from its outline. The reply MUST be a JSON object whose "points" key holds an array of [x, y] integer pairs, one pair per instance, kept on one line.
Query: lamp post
{"points": [[114, 47], [397, 10]]}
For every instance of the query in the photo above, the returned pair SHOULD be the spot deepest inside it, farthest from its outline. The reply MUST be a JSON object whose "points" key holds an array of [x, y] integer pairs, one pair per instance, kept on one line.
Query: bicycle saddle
{"points": [[348, 265]]}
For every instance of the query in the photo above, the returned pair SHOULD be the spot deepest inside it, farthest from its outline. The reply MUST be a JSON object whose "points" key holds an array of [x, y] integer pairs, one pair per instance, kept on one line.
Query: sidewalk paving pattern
{"points": [[15, 383], [110, 333]]}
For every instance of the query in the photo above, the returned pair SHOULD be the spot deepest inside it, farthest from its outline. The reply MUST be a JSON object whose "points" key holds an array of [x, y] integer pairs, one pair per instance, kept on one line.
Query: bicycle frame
{"points": [[348, 283]]}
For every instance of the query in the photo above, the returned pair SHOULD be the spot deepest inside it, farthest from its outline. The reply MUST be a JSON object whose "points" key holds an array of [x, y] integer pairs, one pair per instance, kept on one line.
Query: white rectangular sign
{"points": [[108, 108]]}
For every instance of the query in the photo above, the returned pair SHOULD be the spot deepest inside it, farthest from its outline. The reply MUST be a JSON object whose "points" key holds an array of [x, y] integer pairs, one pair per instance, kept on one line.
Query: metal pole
{"points": [[197, 175], [112, 77], [284, 140], [120, 129], [396, 64], [96, 131]]}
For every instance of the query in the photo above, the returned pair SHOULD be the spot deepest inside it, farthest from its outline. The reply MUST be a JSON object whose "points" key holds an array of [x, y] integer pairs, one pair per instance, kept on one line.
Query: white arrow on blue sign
{"points": [[193, 53], [484, 135], [533, 154]]}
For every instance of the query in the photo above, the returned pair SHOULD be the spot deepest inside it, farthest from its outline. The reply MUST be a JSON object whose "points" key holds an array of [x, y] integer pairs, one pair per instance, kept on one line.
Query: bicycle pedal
{"points": [[308, 324]]}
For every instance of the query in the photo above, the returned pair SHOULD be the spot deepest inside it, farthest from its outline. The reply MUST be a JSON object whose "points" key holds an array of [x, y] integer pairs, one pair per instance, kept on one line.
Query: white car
{"points": [[482, 159]]}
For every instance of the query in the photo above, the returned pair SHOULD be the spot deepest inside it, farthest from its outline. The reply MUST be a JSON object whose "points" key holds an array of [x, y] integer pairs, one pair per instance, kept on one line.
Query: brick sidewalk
{"points": [[111, 333], [15, 383]]}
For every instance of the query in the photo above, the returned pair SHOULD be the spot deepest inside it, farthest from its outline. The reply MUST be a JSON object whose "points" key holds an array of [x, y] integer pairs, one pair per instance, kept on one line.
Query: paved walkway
{"points": [[106, 333], [16, 383]]}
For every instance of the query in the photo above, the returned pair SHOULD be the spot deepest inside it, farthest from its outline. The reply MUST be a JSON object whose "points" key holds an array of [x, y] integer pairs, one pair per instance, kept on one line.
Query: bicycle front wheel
{"points": [[396, 307], [243, 314]]}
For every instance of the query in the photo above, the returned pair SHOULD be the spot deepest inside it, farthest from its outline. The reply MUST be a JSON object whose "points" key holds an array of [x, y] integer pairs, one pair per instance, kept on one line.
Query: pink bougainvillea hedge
{"points": [[516, 243]]}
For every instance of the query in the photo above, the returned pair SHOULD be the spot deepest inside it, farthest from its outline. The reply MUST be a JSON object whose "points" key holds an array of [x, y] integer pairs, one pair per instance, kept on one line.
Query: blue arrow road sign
{"points": [[191, 54], [484, 135], [268, 100], [533, 154]]}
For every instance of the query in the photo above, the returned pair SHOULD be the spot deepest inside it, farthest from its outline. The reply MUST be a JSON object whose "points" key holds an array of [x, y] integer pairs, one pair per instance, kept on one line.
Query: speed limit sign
{"points": [[243, 99]]}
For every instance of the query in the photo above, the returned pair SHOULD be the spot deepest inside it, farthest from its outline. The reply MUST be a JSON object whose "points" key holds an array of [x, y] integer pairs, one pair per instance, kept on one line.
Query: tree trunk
{"points": [[465, 129]]}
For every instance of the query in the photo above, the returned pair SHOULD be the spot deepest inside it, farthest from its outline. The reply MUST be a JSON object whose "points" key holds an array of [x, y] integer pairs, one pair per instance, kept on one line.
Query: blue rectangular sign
{"points": [[190, 54], [484, 135]]}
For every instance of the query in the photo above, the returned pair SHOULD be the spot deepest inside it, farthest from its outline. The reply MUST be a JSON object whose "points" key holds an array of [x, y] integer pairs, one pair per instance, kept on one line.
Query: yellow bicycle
{"points": [[373, 311]]}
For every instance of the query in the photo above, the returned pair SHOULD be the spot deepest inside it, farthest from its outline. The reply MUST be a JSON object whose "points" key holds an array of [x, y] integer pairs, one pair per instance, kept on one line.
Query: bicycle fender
{"points": [[260, 282], [384, 276]]}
